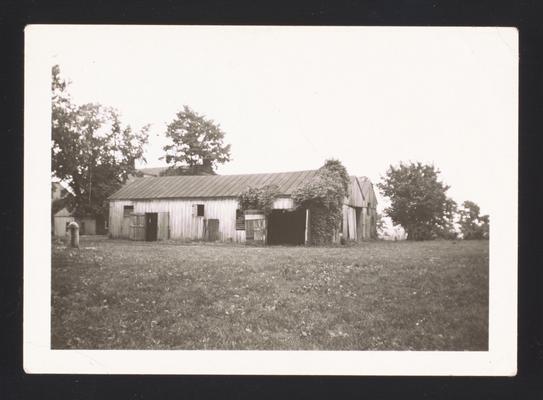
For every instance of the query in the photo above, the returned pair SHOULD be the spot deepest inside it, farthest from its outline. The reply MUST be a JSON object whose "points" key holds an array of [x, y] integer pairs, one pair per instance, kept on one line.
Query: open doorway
{"points": [[151, 226], [286, 227], [359, 232]]}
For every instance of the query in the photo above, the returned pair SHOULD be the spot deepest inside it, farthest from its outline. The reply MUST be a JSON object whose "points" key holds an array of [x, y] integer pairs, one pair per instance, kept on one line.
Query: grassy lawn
{"points": [[113, 294]]}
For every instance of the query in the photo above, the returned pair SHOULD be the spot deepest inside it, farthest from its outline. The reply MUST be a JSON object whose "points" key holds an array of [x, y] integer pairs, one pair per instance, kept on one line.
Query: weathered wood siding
{"points": [[367, 223], [349, 223], [354, 195], [283, 203], [360, 213], [183, 225], [163, 226]]}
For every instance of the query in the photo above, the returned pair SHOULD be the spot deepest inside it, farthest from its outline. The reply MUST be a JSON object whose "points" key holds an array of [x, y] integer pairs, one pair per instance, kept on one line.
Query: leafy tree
{"points": [[91, 151], [323, 195], [418, 200], [473, 225], [197, 145]]}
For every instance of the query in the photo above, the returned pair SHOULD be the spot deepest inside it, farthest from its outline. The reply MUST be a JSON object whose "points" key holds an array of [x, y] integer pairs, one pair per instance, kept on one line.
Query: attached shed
{"points": [[206, 208]]}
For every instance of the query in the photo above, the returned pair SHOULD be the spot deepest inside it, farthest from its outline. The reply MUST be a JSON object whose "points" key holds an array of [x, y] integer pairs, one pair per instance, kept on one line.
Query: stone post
{"points": [[73, 230]]}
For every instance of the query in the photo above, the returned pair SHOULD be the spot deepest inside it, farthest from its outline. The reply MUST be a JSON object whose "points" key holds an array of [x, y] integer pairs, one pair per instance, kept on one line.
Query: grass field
{"points": [[114, 294]]}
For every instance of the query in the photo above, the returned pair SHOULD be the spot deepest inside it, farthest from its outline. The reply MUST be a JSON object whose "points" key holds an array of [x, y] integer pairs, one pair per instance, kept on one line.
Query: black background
{"points": [[525, 15]]}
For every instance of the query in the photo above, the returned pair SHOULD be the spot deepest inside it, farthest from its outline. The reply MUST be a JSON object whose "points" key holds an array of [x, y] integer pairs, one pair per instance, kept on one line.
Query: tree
{"points": [[91, 151], [418, 200], [197, 145], [473, 225]]}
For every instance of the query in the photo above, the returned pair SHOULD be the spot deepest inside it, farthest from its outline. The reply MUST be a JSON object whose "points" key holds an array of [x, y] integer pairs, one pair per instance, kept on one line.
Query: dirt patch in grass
{"points": [[112, 294]]}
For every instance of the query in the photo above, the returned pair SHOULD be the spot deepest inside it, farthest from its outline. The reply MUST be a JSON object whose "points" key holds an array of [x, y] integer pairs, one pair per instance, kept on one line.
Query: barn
{"points": [[206, 208]]}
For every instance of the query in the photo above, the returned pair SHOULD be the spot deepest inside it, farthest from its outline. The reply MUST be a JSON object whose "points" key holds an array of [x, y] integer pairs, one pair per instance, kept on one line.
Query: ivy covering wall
{"points": [[323, 195], [260, 198]]}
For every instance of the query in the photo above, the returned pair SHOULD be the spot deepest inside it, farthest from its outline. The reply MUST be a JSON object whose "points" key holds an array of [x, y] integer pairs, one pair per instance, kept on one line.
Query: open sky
{"points": [[290, 97]]}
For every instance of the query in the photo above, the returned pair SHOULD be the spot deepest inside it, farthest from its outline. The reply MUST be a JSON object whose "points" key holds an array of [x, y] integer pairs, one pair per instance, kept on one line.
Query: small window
{"points": [[368, 209], [240, 220], [198, 210], [127, 211]]}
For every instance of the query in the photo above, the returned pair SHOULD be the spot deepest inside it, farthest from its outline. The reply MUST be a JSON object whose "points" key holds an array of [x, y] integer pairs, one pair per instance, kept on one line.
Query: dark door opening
{"points": [[100, 225], [151, 226], [286, 227], [359, 233]]}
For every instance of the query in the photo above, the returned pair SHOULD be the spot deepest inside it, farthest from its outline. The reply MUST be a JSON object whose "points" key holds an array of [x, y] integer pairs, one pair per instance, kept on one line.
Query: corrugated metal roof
{"points": [[208, 186]]}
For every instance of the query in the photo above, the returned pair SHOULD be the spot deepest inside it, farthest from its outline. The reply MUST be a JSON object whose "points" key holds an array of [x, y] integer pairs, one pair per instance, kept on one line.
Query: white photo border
{"points": [[38, 357]]}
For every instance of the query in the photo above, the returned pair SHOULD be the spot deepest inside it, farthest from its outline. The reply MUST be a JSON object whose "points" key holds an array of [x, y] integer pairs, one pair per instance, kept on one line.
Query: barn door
{"points": [[359, 226], [212, 230], [137, 227], [151, 227]]}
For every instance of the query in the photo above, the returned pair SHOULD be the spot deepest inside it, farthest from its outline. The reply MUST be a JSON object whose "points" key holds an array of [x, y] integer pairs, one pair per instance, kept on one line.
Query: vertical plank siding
{"points": [[283, 203], [183, 224], [349, 223]]}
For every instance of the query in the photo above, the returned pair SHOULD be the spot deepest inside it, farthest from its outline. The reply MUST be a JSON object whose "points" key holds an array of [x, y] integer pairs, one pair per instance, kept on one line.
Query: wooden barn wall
{"points": [[364, 221], [182, 223], [354, 197], [349, 223], [116, 220], [283, 203], [368, 221]]}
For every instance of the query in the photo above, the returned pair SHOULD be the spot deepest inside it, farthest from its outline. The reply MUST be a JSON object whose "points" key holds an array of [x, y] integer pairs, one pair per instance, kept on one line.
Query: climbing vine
{"points": [[323, 196], [259, 198]]}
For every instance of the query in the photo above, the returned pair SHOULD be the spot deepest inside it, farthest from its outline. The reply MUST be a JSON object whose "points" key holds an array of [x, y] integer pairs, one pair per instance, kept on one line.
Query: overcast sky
{"points": [[288, 98]]}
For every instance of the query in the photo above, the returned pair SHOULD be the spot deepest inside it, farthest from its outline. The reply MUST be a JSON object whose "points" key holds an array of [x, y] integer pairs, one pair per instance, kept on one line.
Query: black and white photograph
{"points": [[271, 200]]}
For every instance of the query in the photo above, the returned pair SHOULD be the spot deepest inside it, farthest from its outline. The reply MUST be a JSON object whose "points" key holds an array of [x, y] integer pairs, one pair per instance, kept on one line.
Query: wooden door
{"points": [[259, 230], [151, 227], [249, 230], [137, 227], [212, 230]]}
